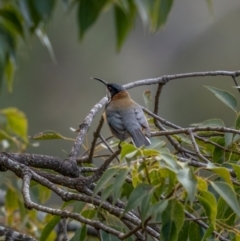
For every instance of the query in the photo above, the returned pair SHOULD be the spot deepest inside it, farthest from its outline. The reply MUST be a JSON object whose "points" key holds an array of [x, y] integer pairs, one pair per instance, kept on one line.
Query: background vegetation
{"points": [[185, 187]]}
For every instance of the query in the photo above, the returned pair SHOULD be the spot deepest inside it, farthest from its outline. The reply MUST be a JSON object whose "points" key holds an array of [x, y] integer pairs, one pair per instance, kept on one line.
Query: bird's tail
{"points": [[139, 138]]}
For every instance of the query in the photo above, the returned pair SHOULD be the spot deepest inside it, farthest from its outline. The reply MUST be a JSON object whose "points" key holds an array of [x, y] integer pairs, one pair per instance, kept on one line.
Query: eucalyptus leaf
{"points": [[137, 196], [227, 98], [105, 178], [187, 178], [49, 135], [49, 227], [88, 12], [124, 20], [211, 122], [16, 122], [80, 234], [228, 194]]}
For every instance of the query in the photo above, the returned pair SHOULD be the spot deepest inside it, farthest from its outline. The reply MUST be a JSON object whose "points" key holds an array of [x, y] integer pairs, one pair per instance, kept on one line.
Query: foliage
{"points": [[184, 187], [21, 19], [191, 194]]}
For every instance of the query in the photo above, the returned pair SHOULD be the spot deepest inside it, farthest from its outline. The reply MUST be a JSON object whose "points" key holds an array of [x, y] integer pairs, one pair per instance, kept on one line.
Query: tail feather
{"points": [[139, 138]]}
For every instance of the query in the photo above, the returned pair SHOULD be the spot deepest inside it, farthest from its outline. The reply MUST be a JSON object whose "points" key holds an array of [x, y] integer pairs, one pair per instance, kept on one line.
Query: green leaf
{"points": [[150, 152], [44, 8], [228, 194], [202, 184], [89, 213], [105, 178], [225, 213], [106, 192], [44, 193], [164, 10], [227, 98], [16, 122], [78, 206], [211, 122], [128, 151], [218, 153], [237, 121], [195, 232], [127, 189], [30, 14], [183, 234], [118, 183], [124, 20], [208, 232], [46, 42], [11, 198], [145, 207], [137, 196], [144, 8], [49, 135], [80, 234], [236, 169], [222, 172], [88, 12], [209, 204], [169, 231], [108, 237], [9, 73], [170, 161], [172, 220], [228, 139], [49, 228], [158, 208], [187, 178], [12, 15]]}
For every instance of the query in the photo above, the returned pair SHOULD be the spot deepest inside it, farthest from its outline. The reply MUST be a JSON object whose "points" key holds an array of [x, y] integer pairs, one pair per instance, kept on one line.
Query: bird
{"points": [[124, 116]]}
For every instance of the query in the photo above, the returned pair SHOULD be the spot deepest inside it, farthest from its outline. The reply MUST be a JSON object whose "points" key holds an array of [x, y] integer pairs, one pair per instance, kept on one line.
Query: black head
{"points": [[112, 87]]}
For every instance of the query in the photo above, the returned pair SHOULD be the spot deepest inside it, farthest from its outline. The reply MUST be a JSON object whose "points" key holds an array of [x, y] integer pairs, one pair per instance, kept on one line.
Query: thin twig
{"points": [[95, 137], [102, 168], [62, 213], [108, 146], [236, 83], [64, 227], [196, 147], [83, 128], [156, 102], [195, 129]]}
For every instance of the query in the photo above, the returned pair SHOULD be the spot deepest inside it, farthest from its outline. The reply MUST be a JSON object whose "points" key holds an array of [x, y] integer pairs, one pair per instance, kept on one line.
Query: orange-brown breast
{"points": [[121, 101]]}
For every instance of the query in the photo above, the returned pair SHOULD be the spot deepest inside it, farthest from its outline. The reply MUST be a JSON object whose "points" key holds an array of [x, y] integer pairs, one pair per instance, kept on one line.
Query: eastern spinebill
{"points": [[125, 117]]}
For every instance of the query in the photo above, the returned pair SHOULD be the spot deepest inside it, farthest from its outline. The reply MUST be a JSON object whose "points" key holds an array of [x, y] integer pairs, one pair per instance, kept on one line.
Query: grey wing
{"points": [[116, 125], [142, 120]]}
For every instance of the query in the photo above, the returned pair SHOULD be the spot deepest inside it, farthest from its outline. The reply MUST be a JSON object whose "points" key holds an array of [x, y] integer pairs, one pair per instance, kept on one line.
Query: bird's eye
{"points": [[109, 88]]}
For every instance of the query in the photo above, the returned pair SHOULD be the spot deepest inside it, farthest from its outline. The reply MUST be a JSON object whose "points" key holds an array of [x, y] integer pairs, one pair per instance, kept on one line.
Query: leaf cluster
{"points": [[185, 192], [20, 20]]}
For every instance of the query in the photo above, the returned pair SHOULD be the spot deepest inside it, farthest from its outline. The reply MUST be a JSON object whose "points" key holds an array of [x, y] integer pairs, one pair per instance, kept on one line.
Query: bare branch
{"points": [[195, 129], [196, 147], [95, 137], [66, 167], [10, 234], [165, 78], [156, 102], [83, 128], [236, 83], [62, 213]]}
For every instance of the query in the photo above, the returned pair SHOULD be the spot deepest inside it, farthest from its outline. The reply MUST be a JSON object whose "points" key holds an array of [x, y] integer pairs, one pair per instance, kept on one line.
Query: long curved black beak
{"points": [[102, 81]]}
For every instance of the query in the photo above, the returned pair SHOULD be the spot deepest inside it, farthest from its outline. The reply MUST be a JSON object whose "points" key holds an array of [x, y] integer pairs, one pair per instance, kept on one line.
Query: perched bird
{"points": [[125, 117]]}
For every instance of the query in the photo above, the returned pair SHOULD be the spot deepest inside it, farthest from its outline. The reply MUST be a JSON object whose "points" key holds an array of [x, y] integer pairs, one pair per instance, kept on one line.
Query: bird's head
{"points": [[112, 87]]}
